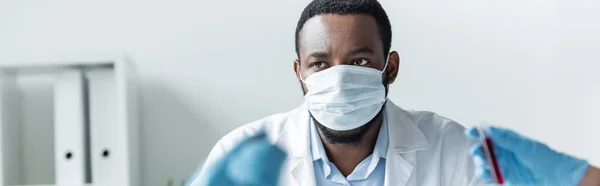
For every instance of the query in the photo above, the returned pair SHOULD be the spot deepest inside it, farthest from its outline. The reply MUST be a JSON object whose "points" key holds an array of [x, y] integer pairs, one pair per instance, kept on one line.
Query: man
{"points": [[347, 132]]}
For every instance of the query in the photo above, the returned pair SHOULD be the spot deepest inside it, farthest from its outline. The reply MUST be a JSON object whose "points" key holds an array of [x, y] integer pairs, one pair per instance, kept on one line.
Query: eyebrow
{"points": [[319, 55], [362, 50]]}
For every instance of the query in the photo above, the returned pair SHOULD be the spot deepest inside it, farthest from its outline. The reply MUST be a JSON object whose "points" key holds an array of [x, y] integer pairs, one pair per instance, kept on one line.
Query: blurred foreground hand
{"points": [[253, 162]]}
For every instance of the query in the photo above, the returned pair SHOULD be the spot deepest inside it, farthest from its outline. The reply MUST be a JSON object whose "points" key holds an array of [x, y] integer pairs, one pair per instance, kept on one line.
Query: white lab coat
{"points": [[424, 148]]}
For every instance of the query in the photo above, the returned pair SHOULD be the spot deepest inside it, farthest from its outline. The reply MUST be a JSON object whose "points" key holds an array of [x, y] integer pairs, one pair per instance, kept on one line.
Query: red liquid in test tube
{"points": [[492, 157]]}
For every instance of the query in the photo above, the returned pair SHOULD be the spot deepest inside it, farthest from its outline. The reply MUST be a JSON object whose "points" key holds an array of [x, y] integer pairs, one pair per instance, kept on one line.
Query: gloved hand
{"points": [[253, 162], [524, 161]]}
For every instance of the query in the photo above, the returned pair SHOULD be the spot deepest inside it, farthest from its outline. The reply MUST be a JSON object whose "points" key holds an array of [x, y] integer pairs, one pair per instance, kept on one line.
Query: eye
{"points": [[361, 62], [318, 65]]}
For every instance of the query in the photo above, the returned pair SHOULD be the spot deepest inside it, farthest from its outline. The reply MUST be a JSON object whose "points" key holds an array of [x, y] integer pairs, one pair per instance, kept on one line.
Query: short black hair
{"points": [[343, 7]]}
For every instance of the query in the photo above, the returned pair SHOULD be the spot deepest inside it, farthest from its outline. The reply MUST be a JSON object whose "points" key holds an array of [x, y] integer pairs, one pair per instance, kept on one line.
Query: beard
{"points": [[348, 137]]}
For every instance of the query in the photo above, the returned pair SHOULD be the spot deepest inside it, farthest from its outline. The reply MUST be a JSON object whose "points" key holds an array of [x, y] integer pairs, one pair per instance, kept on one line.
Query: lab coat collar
{"points": [[295, 140], [404, 134], [405, 138], [295, 136]]}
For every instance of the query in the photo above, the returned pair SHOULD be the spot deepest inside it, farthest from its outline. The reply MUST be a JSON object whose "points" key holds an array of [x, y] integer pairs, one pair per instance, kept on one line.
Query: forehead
{"points": [[338, 33]]}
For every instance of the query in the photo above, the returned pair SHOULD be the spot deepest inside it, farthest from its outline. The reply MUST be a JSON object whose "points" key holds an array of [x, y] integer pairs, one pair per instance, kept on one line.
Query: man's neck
{"points": [[347, 156]]}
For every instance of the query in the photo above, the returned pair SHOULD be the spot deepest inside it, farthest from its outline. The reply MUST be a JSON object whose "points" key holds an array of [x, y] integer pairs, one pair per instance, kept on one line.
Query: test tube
{"points": [[490, 156]]}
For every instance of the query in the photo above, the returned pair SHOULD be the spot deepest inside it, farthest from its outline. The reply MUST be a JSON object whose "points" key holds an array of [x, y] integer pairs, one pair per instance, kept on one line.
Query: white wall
{"points": [[210, 66]]}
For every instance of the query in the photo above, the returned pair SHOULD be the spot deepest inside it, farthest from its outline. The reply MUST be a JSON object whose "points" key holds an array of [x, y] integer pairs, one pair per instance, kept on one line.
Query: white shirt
{"points": [[370, 171], [424, 148]]}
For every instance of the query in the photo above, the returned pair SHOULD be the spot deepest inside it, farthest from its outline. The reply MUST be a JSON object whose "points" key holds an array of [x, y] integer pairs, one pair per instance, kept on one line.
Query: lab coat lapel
{"points": [[303, 173], [405, 139], [397, 170], [295, 139]]}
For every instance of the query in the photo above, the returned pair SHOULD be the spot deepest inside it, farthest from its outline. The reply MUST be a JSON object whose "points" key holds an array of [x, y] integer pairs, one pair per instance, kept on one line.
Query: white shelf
{"points": [[95, 115]]}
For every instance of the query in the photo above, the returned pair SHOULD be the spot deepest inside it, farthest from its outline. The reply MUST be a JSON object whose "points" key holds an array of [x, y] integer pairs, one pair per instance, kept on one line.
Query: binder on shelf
{"points": [[109, 156], [104, 128], [114, 125], [70, 129]]}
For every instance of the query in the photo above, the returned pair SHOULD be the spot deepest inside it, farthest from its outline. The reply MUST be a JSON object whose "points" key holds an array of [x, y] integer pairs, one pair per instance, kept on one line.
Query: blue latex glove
{"points": [[253, 162], [524, 161]]}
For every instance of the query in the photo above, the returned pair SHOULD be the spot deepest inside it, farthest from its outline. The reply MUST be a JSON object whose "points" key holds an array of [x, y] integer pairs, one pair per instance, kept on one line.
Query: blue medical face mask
{"points": [[345, 97]]}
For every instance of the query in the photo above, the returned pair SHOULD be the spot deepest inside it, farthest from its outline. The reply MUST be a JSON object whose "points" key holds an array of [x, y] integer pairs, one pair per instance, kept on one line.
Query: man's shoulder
{"points": [[437, 127], [433, 121]]}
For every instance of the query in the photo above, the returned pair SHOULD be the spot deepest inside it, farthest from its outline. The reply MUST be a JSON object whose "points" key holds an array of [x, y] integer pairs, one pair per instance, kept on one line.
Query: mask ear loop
{"points": [[387, 59], [301, 78]]}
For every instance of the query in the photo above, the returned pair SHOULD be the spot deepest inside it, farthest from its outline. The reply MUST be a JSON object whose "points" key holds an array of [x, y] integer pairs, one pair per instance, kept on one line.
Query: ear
{"points": [[393, 65], [297, 69]]}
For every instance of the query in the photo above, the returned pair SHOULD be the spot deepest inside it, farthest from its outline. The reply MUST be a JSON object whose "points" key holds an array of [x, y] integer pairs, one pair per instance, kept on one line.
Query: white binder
{"points": [[108, 162], [71, 158], [113, 125]]}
